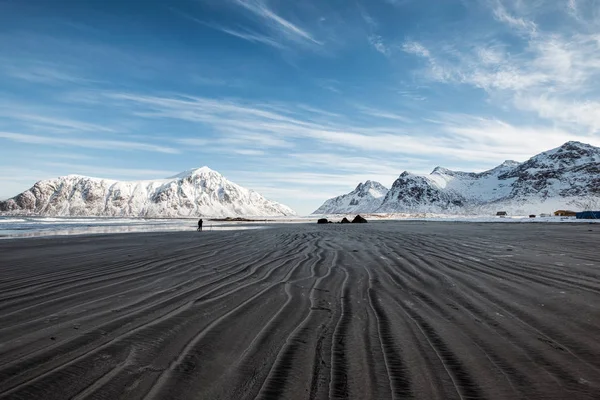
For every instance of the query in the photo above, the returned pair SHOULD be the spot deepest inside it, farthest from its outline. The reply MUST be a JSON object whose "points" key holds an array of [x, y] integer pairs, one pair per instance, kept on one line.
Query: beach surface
{"points": [[385, 310]]}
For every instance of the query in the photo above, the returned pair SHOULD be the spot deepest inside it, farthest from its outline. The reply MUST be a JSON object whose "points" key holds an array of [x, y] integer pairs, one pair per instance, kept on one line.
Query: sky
{"points": [[298, 100]]}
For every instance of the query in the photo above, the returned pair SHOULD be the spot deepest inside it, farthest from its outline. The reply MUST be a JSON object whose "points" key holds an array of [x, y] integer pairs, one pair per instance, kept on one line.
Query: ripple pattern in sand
{"points": [[379, 311]]}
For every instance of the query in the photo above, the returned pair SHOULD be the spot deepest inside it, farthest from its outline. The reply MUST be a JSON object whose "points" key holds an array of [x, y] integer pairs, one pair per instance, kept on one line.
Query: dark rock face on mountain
{"points": [[572, 170], [565, 177], [412, 191], [199, 192], [367, 196]]}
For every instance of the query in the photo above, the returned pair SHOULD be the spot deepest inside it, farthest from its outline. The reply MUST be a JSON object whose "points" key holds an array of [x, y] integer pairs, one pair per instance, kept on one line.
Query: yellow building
{"points": [[565, 213]]}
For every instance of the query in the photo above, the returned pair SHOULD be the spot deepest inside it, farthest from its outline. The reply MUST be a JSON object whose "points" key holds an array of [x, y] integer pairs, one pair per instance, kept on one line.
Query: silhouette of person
{"points": [[200, 225]]}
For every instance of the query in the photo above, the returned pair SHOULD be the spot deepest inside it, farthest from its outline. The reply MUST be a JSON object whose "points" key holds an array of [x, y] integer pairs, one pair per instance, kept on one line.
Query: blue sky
{"points": [[299, 100]]}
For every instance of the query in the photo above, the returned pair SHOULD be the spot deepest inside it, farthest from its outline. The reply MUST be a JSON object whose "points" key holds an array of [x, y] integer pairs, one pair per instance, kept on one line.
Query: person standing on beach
{"points": [[200, 225]]}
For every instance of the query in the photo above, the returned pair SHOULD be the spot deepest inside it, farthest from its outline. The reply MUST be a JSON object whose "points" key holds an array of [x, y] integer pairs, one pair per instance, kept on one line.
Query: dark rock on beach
{"points": [[359, 220]]}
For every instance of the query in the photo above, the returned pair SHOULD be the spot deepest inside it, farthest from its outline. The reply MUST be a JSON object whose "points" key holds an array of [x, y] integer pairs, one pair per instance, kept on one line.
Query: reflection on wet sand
{"points": [[38, 227]]}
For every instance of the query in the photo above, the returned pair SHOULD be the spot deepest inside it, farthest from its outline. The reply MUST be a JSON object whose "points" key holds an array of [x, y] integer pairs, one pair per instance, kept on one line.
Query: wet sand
{"points": [[388, 310]]}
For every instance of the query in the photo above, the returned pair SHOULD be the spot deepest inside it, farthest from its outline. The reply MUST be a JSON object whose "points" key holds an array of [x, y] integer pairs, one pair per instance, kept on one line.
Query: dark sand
{"points": [[385, 310]]}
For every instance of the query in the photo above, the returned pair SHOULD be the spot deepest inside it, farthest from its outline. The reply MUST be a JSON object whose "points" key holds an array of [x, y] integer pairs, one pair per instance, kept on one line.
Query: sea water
{"points": [[21, 227]]}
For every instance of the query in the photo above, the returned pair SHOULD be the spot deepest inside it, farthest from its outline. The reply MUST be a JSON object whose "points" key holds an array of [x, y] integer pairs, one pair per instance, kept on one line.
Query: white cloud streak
{"points": [[271, 28], [56, 124], [251, 127], [253, 37], [373, 112], [243, 33], [86, 143], [278, 23], [111, 173], [42, 74], [377, 42], [521, 24]]}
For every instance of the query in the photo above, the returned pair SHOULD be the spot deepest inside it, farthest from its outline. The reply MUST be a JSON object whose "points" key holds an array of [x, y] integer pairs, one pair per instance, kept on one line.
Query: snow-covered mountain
{"points": [[367, 196], [197, 192], [567, 177]]}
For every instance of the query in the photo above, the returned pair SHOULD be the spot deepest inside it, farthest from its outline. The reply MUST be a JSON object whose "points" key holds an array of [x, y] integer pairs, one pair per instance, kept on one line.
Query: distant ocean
{"points": [[23, 227]]}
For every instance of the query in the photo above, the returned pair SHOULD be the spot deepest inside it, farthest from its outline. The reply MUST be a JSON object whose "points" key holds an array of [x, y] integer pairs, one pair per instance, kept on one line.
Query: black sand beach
{"points": [[388, 310]]}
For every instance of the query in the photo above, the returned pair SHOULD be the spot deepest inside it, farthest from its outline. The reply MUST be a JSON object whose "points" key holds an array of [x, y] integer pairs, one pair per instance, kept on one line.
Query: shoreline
{"points": [[15, 228]]}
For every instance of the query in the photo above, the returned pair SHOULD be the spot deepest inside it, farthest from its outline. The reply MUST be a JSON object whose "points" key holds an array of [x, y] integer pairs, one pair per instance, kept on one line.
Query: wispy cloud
{"points": [[416, 48], [585, 12], [86, 143], [553, 76], [412, 95], [318, 111], [373, 112], [253, 127], [367, 18], [250, 36], [377, 42], [193, 142], [487, 134], [331, 85], [241, 142], [241, 33], [54, 124], [45, 74], [249, 152], [358, 164], [279, 24], [580, 113], [519, 23], [270, 29], [111, 173], [436, 70]]}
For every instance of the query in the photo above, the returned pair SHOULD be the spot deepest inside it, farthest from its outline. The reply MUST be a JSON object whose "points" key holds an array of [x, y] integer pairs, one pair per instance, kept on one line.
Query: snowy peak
{"points": [[410, 191], [372, 188], [569, 154], [192, 193], [505, 167], [447, 172], [575, 146], [509, 164], [442, 170], [194, 172], [366, 196]]}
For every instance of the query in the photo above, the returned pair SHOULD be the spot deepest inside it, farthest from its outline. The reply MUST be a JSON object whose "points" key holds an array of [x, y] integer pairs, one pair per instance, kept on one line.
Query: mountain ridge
{"points": [[365, 196], [198, 192], [564, 177]]}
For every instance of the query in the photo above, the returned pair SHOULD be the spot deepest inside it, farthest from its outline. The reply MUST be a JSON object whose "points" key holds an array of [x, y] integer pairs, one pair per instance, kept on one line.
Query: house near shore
{"points": [[565, 213], [501, 214], [588, 215]]}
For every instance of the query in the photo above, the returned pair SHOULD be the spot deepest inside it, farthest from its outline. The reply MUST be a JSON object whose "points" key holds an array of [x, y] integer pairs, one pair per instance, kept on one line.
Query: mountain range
{"points": [[566, 177], [195, 193], [367, 196]]}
